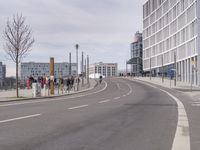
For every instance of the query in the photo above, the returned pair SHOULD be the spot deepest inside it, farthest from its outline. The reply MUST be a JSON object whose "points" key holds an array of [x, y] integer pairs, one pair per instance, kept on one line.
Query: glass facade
{"points": [[136, 55]]}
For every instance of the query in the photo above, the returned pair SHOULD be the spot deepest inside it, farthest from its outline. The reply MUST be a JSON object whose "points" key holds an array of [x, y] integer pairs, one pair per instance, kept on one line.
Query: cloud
{"points": [[104, 29]]}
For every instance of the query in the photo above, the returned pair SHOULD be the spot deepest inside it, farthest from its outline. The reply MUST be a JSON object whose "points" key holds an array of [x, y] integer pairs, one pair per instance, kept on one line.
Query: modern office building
{"points": [[2, 74], [36, 70], [105, 69], [171, 39], [136, 55]]}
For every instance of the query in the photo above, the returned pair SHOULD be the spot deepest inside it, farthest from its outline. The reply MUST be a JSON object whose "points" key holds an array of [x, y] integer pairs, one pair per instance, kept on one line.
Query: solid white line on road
{"points": [[195, 104], [50, 100], [20, 118], [117, 98], [130, 91], [105, 101], [182, 135], [77, 107]]}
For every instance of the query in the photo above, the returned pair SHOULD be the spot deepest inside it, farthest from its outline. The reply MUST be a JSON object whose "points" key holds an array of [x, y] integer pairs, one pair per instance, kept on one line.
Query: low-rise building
{"points": [[35, 69], [2, 74], [105, 69]]}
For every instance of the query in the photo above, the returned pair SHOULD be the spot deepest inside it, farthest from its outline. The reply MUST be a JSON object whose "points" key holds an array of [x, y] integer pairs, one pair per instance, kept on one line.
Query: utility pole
{"points": [[82, 69], [88, 80], [70, 64], [77, 47], [150, 68], [52, 76], [126, 69], [162, 70], [85, 68], [175, 72]]}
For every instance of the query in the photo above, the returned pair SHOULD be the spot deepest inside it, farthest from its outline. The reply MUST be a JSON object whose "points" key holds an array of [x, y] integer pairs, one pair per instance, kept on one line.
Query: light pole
{"points": [[82, 68], [88, 81], [77, 47], [70, 64], [150, 68], [162, 70], [175, 72]]}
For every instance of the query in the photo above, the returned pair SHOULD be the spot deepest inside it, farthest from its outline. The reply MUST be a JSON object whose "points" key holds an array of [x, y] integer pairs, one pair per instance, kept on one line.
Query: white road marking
{"points": [[77, 107], [195, 104], [124, 95], [118, 86], [117, 98], [130, 91], [50, 100], [20, 118], [182, 135], [105, 101]]}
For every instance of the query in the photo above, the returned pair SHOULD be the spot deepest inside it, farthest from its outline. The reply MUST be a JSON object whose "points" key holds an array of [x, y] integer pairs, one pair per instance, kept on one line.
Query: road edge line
{"points": [[181, 140]]}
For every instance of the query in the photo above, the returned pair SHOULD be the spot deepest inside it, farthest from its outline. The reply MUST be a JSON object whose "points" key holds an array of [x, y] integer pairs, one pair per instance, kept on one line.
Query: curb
{"points": [[51, 97], [172, 88]]}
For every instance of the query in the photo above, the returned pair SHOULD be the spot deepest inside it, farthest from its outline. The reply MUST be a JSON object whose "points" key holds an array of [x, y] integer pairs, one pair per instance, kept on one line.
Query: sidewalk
{"points": [[180, 86], [25, 94]]}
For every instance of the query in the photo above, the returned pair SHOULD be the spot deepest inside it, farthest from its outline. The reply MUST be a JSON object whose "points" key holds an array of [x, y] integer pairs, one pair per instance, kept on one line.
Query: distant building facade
{"points": [[2, 74], [105, 69], [36, 70], [136, 55], [171, 35]]}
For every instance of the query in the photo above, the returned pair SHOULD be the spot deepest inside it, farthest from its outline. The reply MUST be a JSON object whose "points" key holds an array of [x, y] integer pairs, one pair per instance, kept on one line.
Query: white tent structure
{"points": [[95, 76]]}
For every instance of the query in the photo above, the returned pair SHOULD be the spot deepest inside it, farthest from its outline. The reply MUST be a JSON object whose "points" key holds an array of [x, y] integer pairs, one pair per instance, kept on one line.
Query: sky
{"points": [[104, 29]]}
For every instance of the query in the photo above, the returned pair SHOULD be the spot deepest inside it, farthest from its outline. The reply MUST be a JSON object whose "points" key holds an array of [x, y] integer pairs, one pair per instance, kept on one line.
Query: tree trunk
{"points": [[17, 83]]}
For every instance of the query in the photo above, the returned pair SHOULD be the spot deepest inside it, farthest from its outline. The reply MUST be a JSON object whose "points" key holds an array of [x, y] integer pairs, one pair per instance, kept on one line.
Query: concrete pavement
{"points": [[26, 94], [192, 91]]}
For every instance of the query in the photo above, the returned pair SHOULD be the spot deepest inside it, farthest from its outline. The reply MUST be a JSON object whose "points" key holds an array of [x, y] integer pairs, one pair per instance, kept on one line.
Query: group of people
{"points": [[61, 83]]}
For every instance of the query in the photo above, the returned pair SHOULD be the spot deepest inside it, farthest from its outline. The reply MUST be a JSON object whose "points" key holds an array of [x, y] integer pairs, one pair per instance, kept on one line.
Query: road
{"points": [[117, 115]]}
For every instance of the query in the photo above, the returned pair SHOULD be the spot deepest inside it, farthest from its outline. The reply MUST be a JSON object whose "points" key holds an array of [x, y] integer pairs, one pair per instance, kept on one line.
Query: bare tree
{"points": [[19, 40]]}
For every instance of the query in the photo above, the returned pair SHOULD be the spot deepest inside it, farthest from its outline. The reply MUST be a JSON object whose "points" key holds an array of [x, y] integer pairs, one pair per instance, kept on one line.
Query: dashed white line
{"points": [[124, 95], [77, 107], [117, 98], [20, 118], [105, 101]]}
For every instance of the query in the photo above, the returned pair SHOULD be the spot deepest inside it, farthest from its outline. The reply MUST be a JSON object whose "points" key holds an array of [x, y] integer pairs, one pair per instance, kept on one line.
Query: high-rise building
{"points": [[105, 69], [171, 39], [136, 55], [36, 70], [2, 74]]}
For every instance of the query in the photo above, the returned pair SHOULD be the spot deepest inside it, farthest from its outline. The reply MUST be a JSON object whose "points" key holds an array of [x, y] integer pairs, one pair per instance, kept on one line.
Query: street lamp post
{"points": [[88, 69], [77, 47], [175, 72], [82, 68], [150, 68], [70, 64], [162, 70]]}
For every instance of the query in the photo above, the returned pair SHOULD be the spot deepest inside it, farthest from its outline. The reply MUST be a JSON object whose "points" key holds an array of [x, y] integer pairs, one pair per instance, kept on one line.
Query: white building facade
{"points": [[105, 69], [171, 43], [36, 70]]}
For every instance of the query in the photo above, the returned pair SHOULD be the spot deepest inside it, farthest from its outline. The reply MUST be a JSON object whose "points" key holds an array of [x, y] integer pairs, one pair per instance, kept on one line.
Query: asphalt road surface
{"points": [[117, 115]]}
